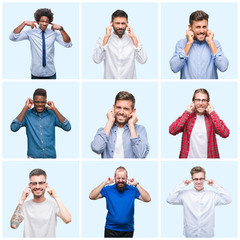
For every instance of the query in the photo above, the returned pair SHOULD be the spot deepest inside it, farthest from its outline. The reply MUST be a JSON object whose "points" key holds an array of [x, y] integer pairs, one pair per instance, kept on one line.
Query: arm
{"points": [[221, 196], [63, 213], [95, 193], [64, 35], [140, 53], [175, 197], [17, 217], [144, 195], [219, 126]]}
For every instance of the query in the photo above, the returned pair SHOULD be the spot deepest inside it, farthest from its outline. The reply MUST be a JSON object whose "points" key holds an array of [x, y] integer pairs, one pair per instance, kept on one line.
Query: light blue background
{"points": [[176, 96], [142, 17], [65, 98], [98, 98], [62, 176], [16, 56], [222, 21], [224, 173], [94, 212]]}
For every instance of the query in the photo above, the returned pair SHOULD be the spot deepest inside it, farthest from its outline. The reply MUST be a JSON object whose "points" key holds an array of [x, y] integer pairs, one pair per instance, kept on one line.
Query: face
{"points": [[122, 111], [38, 185], [201, 103], [119, 25], [39, 103], [199, 29], [121, 180], [198, 180], [43, 23]]}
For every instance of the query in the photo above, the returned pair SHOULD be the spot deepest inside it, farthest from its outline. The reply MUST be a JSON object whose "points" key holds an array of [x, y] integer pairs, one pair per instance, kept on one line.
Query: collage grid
{"points": [[84, 98]]}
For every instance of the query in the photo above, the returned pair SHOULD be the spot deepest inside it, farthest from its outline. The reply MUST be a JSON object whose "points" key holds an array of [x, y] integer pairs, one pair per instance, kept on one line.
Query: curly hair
{"points": [[43, 12]]}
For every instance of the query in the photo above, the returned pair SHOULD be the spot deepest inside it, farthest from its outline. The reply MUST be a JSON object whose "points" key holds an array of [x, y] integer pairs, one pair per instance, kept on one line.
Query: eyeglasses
{"points": [[44, 21], [36, 183], [40, 102], [198, 179], [200, 100]]}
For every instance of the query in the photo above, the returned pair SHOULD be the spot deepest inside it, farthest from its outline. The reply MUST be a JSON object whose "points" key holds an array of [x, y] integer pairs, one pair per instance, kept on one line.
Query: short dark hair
{"points": [[119, 13], [43, 12], [123, 95], [37, 172], [198, 169], [40, 92], [198, 16], [120, 168], [201, 90]]}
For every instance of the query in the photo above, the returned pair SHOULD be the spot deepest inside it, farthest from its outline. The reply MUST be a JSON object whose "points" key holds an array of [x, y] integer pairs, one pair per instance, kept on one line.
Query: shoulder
{"points": [[182, 42], [139, 127], [217, 43]]}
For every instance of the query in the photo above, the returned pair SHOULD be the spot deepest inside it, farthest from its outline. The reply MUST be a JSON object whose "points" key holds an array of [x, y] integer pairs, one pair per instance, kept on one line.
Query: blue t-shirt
{"points": [[120, 206]]}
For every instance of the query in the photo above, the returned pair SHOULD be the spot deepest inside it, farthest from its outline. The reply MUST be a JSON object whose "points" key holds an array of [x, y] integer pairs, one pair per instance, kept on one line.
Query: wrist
{"points": [[136, 184], [61, 28], [21, 201]]}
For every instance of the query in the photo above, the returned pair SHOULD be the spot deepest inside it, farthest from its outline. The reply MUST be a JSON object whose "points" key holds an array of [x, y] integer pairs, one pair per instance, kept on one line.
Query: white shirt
{"points": [[198, 140], [118, 150], [199, 208], [35, 38], [119, 56]]}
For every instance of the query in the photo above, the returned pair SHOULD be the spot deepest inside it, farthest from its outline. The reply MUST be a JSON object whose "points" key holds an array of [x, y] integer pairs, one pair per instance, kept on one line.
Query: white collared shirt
{"points": [[199, 208], [35, 38], [119, 56]]}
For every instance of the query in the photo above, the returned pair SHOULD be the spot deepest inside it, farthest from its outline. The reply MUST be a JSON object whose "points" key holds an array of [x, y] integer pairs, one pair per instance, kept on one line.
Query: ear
{"points": [[29, 185], [46, 184], [134, 110], [190, 27], [111, 22], [113, 106]]}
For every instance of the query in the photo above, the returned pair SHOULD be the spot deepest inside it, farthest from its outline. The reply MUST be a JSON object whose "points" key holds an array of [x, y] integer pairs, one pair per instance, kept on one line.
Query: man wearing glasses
{"points": [[40, 122], [42, 40], [199, 124], [198, 203], [39, 214]]}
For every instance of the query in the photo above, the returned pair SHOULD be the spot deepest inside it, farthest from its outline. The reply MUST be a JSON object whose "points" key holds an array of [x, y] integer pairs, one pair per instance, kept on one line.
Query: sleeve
{"points": [[220, 127], [140, 144], [59, 39], [103, 192], [178, 125], [220, 61], [179, 57], [16, 125], [100, 141], [221, 196], [140, 53], [15, 37], [99, 51], [175, 197], [66, 126], [137, 194]]}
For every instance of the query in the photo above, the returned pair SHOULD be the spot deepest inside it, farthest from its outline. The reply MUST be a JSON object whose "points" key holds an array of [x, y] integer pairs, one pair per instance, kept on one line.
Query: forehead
{"points": [[124, 103], [39, 98], [39, 178], [121, 174], [198, 175], [120, 20], [201, 96], [203, 22]]}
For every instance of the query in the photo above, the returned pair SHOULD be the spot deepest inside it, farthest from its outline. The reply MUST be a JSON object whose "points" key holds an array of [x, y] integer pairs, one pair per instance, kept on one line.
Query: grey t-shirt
{"points": [[40, 219]]}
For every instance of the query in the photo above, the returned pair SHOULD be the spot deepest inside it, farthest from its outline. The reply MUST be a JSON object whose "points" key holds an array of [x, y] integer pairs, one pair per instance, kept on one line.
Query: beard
{"points": [[119, 31], [122, 122], [38, 195], [122, 187]]}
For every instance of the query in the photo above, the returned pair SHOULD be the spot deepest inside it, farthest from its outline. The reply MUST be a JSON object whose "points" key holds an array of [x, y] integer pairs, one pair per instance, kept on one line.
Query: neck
{"points": [[39, 200], [199, 190]]}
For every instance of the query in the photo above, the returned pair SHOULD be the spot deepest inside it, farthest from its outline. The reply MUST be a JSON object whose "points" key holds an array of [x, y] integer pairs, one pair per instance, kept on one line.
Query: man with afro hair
{"points": [[42, 40]]}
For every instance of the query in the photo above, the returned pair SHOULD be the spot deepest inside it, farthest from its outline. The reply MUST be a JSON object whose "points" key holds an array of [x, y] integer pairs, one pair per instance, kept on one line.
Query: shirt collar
{"points": [[115, 126], [126, 188], [116, 36], [203, 190], [36, 113]]}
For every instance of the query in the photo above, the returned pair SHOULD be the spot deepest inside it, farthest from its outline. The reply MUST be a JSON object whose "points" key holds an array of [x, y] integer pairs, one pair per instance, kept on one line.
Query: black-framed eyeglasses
{"points": [[40, 102], [200, 100], [198, 179], [37, 183]]}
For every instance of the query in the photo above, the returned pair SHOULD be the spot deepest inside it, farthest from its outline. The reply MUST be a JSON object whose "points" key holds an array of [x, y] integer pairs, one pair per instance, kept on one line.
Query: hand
{"points": [[130, 31], [191, 107], [190, 35], [29, 103], [109, 30], [55, 26], [210, 182], [52, 192], [187, 181], [111, 116], [132, 118], [210, 108], [51, 105], [25, 194], [209, 37], [109, 181], [32, 24], [132, 181]]}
